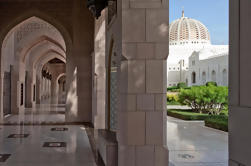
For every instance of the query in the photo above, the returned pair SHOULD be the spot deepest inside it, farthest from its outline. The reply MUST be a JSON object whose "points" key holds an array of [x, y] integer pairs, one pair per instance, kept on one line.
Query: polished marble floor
{"points": [[30, 151], [192, 144], [41, 114]]}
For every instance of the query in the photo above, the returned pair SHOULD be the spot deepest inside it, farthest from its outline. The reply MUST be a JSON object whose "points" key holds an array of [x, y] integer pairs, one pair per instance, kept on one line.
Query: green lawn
{"points": [[214, 121]]}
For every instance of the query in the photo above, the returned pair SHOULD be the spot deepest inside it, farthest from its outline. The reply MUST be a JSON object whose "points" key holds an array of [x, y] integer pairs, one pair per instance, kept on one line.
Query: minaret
{"points": [[183, 13]]}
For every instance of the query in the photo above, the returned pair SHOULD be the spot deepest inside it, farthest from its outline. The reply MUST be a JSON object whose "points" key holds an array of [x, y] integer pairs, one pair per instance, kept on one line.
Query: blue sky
{"points": [[212, 13]]}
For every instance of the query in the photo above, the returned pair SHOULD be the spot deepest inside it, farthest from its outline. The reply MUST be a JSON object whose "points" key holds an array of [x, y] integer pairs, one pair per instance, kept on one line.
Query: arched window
{"points": [[224, 77], [213, 76], [204, 77], [193, 77]]}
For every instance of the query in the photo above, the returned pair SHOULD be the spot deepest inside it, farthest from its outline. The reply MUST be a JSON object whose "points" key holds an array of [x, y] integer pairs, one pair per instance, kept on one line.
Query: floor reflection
{"points": [[40, 114], [192, 144], [30, 151]]}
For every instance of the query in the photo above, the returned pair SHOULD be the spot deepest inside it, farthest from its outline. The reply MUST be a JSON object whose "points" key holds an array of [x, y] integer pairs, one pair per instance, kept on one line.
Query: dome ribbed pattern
{"points": [[188, 31]]}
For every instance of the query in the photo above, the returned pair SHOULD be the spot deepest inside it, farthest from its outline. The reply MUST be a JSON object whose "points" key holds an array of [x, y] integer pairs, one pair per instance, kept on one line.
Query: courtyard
{"points": [[193, 144]]}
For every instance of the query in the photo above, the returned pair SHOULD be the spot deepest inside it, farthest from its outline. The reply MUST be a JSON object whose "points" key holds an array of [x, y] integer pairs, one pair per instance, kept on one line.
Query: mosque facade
{"points": [[192, 58]]}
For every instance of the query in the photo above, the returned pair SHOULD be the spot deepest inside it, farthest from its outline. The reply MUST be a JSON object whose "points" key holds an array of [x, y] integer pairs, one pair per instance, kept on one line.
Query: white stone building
{"points": [[187, 36], [205, 66]]}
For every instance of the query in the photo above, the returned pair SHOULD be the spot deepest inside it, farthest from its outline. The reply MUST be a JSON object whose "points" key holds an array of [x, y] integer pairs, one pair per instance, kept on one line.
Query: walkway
{"points": [[44, 145], [192, 144], [41, 114]]}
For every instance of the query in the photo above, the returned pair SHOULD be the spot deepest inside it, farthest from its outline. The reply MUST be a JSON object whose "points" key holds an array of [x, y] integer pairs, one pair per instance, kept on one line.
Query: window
{"points": [[193, 63], [213, 76]]}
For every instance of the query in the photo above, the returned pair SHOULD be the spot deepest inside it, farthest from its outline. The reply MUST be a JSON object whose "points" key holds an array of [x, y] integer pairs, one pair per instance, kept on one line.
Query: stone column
{"points": [[239, 83], [99, 74], [42, 89], [142, 117], [38, 90], [54, 90], [1, 98], [29, 95]]}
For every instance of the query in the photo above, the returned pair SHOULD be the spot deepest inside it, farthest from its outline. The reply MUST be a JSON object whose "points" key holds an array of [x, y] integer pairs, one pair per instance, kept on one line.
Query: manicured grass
{"points": [[186, 115], [218, 122]]}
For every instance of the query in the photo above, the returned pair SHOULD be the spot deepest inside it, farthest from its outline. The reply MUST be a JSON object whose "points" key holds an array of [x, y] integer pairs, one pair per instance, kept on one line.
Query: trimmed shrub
{"points": [[172, 88], [172, 97], [211, 83], [205, 99], [186, 115], [217, 122], [181, 85]]}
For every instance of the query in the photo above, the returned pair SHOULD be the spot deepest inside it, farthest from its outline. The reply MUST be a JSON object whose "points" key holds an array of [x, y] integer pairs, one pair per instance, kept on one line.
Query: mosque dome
{"points": [[184, 31]]}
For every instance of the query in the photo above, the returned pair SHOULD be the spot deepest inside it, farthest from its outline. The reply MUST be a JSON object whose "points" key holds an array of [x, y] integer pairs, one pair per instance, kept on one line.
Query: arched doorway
{"points": [[28, 46], [193, 77], [204, 78], [224, 78], [213, 76]]}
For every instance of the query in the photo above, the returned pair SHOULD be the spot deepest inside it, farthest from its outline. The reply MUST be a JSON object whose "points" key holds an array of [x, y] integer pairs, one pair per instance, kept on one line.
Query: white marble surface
{"points": [[42, 113], [192, 144], [29, 151]]}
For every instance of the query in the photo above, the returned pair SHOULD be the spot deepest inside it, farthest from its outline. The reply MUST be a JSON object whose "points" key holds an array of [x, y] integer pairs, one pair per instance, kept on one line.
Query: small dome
{"points": [[188, 31]]}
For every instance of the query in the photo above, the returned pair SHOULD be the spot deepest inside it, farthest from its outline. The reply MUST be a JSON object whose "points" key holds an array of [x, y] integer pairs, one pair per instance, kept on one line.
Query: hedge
{"points": [[218, 122], [186, 115]]}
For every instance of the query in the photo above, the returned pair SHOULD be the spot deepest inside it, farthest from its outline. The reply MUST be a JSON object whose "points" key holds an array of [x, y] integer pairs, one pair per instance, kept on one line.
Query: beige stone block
{"points": [[155, 76], [154, 128], [145, 50], [161, 156], [162, 51], [130, 50], [125, 4], [145, 1], [143, 4], [123, 77], [160, 102], [136, 128], [232, 163], [128, 102], [131, 128], [145, 102], [127, 155], [157, 25], [136, 76], [133, 25], [164, 129], [131, 102], [144, 155]]}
